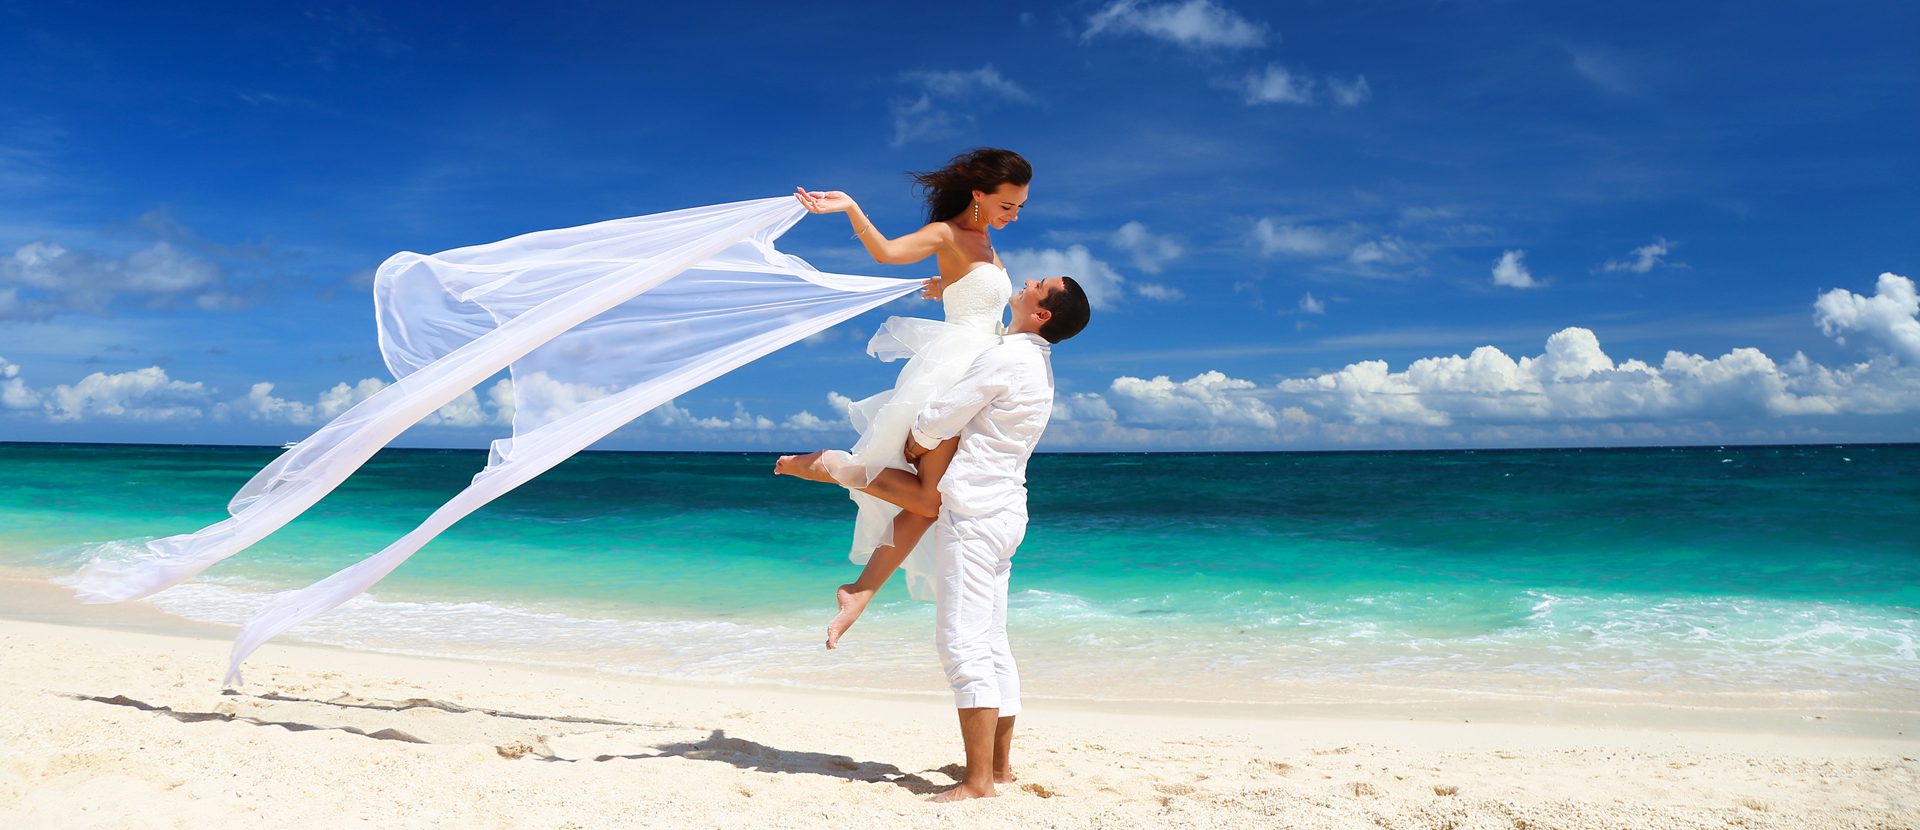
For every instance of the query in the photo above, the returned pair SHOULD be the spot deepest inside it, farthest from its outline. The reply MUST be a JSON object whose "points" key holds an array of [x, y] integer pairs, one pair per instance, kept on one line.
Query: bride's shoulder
{"points": [[939, 230]]}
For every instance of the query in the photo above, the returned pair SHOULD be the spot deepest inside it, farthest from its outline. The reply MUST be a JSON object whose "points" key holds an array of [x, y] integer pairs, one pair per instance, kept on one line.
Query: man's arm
{"points": [[944, 416]]}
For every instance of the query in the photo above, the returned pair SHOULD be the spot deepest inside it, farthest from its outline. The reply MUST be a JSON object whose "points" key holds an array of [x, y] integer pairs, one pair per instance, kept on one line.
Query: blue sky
{"points": [[1310, 225]]}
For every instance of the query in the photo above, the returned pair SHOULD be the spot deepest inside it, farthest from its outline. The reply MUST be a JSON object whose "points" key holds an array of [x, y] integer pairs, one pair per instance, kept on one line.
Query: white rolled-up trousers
{"points": [[975, 560]]}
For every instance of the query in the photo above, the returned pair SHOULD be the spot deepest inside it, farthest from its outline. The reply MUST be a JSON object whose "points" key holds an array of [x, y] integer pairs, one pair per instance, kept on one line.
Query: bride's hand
{"points": [[816, 201], [930, 290]]}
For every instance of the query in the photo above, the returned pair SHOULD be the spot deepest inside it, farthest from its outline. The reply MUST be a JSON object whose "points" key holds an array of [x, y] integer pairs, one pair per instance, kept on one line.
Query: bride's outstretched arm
{"points": [[907, 249]]}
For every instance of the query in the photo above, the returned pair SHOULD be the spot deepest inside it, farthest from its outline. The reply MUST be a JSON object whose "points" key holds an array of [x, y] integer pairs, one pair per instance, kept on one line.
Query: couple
{"points": [[947, 447]]}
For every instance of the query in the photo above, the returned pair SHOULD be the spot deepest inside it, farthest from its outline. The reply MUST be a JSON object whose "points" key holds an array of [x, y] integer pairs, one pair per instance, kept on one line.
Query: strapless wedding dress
{"points": [[938, 352]]}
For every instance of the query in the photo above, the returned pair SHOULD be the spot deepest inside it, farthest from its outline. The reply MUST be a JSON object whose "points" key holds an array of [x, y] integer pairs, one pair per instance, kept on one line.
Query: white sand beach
{"points": [[113, 717]]}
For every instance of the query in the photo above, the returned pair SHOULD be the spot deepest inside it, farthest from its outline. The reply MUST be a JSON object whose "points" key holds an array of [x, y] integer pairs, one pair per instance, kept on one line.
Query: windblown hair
{"points": [[949, 190], [1070, 308]]}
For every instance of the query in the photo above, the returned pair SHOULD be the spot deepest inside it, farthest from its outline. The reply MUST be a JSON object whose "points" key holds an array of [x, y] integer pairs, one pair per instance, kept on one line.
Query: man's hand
{"points": [[913, 450]]}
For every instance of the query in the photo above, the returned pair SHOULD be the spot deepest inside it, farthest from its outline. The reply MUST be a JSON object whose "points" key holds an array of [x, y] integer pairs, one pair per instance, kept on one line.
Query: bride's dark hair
{"points": [[950, 189]]}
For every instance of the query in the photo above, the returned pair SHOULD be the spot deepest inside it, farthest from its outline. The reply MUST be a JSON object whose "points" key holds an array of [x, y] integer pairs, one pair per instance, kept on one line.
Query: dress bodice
{"points": [[978, 300]]}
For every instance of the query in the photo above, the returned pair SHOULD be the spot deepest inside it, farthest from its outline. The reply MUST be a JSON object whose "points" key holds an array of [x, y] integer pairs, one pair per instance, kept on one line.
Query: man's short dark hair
{"points": [[1069, 308]]}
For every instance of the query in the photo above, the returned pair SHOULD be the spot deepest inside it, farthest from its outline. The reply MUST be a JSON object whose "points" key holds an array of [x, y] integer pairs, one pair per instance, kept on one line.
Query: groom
{"points": [[998, 409]]}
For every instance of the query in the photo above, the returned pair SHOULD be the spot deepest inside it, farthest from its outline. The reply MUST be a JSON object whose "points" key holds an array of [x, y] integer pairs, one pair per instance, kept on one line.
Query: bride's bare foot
{"points": [[1004, 776], [962, 793], [853, 601], [803, 466]]}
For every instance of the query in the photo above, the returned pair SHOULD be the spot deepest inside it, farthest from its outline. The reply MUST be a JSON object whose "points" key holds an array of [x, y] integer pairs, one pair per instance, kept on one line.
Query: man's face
{"points": [[1030, 295]]}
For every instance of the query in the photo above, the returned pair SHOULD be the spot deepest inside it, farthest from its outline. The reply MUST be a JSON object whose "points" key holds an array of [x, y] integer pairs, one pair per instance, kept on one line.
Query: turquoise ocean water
{"points": [[1698, 575]]}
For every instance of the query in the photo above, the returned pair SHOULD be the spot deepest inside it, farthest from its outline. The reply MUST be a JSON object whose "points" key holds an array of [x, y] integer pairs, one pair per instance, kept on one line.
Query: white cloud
{"points": [[1208, 399], [809, 422], [1370, 252], [1277, 85], [14, 392], [463, 411], [261, 404], [1151, 252], [838, 402], [1350, 93], [1386, 250], [1643, 259], [140, 395], [1298, 240], [1574, 380], [1103, 285], [1510, 271], [43, 278], [1571, 393], [1310, 305], [967, 83], [1082, 407], [1195, 24], [945, 99], [536, 398], [1891, 317], [1156, 291]]}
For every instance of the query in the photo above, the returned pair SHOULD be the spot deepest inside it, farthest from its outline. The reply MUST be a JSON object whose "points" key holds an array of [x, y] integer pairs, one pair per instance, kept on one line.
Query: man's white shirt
{"points": [[999, 408]]}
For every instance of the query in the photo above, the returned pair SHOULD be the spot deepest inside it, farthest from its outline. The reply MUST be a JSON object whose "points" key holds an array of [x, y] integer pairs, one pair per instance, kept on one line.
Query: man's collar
{"points": [[1030, 337]]}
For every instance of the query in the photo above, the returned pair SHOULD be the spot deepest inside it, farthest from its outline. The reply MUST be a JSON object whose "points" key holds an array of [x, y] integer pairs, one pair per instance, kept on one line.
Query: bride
{"points": [[973, 194]]}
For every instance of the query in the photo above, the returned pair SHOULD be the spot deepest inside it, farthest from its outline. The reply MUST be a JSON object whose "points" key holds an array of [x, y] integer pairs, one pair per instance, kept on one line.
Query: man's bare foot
{"points": [[962, 793], [803, 466], [853, 602], [1004, 776]]}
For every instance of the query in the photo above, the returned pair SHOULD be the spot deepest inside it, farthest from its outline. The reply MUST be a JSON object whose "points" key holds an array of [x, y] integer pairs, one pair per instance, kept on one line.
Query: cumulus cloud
{"points": [[1574, 380], [943, 101], [1208, 399], [1890, 318], [140, 395], [1643, 259], [1195, 24], [838, 402], [1571, 392], [43, 278], [1312, 305], [1512, 272], [261, 404], [14, 392], [805, 421], [1082, 407], [1104, 285], [1151, 252]]}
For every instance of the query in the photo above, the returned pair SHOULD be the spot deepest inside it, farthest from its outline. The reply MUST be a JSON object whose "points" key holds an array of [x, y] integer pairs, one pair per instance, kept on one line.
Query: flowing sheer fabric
{"points": [[599, 324]]}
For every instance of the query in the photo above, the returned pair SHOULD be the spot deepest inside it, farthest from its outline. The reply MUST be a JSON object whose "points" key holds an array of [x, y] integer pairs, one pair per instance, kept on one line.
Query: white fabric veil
{"points": [[599, 323]]}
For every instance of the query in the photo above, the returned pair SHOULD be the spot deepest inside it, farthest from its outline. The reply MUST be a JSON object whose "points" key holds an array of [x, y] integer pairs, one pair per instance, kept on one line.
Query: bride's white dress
{"points": [[938, 353]]}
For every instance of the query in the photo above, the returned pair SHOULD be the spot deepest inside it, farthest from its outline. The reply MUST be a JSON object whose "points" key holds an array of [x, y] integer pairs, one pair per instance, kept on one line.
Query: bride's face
{"points": [[1002, 207]]}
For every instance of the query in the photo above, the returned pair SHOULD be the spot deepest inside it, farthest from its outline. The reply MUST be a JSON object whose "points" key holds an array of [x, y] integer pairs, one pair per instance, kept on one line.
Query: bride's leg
{"points": [[908, 527], [916, 493], [854, 596]]}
